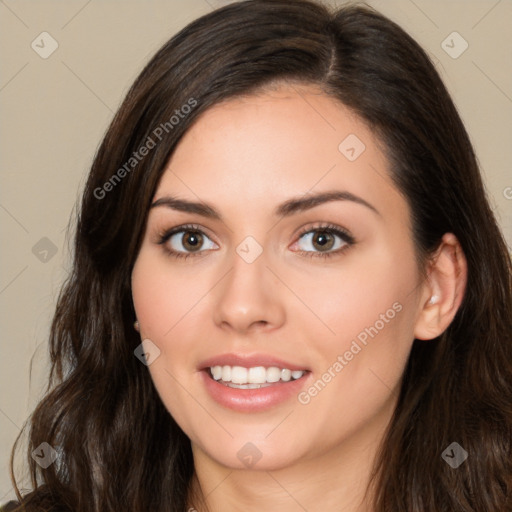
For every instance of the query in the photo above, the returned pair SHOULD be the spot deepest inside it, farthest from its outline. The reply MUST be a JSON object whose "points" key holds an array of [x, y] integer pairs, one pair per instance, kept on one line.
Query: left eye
{"points": [[323, 240]]}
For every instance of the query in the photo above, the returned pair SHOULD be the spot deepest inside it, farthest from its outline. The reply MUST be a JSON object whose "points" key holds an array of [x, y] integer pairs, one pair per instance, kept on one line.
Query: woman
{"points": [[289, 291]]}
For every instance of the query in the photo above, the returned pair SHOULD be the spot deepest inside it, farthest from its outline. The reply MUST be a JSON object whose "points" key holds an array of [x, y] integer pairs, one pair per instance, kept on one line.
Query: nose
{"points": [[249, 298]]}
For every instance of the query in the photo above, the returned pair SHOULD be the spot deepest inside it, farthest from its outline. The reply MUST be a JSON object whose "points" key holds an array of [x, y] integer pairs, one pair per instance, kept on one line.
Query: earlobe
{"points": [[444, 289]]}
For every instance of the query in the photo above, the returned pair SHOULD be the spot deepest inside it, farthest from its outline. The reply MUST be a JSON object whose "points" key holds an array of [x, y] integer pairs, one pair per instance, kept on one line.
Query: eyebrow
{"points": [[286, 209]]}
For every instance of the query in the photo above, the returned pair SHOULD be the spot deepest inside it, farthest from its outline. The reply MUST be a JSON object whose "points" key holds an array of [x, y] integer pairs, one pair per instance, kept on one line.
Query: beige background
{"points": [[54, 112]]}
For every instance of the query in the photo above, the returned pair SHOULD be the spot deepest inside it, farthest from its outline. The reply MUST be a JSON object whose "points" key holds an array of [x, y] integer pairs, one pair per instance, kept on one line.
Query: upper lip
{"points": [[249, 361]]}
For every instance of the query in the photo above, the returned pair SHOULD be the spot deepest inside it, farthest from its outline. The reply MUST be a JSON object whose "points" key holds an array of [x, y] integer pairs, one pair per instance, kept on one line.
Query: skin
{"points": [[244, 157]]}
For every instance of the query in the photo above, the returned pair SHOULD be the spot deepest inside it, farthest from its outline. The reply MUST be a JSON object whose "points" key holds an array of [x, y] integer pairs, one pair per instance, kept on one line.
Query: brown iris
{"points": [[192, 240], [324, 239]]}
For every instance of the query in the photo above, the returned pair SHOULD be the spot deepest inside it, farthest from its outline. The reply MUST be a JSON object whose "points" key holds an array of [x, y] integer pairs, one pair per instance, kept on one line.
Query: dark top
{"points": [[10, 506], [13, 505]]}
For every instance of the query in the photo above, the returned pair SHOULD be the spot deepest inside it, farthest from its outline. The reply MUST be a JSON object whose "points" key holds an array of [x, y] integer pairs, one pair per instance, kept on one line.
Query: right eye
{"points": [[185, 241]]}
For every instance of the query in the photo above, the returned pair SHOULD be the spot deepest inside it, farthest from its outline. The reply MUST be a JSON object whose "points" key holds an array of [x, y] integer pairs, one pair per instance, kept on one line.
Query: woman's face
{"points": [[278, 276]]}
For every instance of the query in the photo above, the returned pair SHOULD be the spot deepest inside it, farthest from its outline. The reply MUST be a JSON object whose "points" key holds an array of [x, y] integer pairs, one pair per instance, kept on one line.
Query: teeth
{"points": [[238, 375], [244, 386], [255, 377], [216, 372], [286, 375], [226, 373], [273, 374]]}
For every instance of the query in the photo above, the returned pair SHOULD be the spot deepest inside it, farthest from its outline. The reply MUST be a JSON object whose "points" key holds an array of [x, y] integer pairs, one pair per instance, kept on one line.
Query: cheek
{"points": [[164, 304], [163, 296], [359, 372], [364, 336], [346, 299]]}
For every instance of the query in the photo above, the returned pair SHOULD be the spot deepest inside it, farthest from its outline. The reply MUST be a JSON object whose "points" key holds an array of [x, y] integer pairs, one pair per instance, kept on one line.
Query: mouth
{"points": [[251, 383], [255, 377], [255, 389]]}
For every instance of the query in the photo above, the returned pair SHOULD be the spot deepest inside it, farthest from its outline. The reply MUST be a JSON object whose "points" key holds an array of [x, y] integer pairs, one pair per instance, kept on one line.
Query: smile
{"points": [[254, 389], [252, 378]]}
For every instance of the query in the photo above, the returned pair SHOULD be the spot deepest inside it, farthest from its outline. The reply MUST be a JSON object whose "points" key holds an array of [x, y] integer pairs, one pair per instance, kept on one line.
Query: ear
{"points": [[443, 290]]}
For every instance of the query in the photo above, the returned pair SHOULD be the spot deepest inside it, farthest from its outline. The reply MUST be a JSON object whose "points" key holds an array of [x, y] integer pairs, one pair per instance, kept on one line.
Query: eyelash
{"points": [[349, 240]]}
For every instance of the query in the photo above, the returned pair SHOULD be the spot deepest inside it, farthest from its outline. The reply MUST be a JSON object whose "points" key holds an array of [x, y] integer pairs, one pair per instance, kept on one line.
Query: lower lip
{"points": [[253, 400]]}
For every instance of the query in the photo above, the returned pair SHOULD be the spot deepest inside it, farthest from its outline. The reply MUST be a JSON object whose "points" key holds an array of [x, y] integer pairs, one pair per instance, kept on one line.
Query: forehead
{"points": [[261, 149]]}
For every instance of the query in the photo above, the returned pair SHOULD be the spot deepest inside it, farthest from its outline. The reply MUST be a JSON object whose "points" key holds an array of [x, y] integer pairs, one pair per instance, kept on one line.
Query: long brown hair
{"points": [[118, 447]]}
